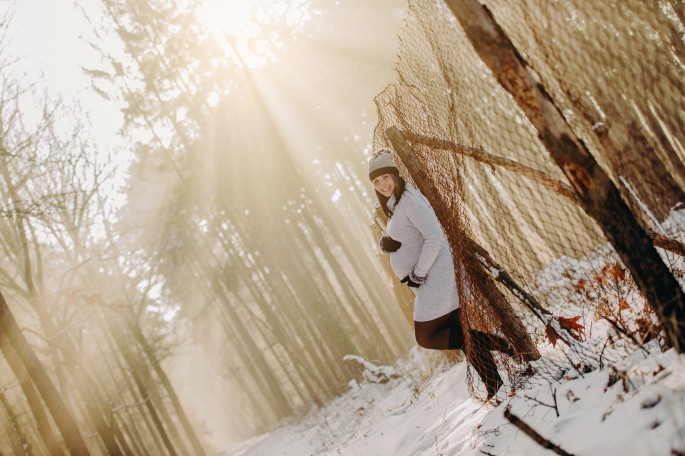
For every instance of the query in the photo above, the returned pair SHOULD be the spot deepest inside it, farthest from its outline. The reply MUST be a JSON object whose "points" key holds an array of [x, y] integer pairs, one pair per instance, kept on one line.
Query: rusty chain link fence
{"points": [[527, 249]]}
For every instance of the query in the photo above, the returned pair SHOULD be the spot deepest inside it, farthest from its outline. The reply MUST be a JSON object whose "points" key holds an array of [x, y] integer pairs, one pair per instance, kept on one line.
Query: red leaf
{"points": [[623, 305], [617, 272], [551, 335], [661, 368], [601, 279], [572, 326]]}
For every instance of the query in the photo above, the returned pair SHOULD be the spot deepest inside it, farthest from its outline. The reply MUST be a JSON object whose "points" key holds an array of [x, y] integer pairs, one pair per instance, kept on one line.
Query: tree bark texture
{"points": [[601, 198], [63, 417]]}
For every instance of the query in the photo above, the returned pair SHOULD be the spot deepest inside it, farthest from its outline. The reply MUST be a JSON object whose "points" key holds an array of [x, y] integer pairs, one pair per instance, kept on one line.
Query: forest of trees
{"points": [[225, 253], [204, 275]]}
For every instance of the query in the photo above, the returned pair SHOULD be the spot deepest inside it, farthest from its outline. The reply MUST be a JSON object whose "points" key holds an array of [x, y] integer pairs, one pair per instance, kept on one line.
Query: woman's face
{"points": [[384, 184]]}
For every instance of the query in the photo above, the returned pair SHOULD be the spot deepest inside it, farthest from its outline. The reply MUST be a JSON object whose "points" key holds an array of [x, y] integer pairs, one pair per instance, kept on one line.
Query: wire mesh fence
{"points": [[523, 245]]}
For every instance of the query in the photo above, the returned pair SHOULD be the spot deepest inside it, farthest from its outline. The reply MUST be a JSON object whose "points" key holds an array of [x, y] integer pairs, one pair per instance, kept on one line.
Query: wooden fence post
{"points": [[600, 197], [513, 325]]}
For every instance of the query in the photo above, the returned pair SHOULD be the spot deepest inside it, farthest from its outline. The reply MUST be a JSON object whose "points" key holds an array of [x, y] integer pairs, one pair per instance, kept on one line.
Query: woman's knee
{"points": [[432, 334], [422, 339]]}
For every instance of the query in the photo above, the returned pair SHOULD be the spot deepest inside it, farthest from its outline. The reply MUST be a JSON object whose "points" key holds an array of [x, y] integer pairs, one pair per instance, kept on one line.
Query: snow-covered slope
{"points": [[630, 403], [636, 408]]}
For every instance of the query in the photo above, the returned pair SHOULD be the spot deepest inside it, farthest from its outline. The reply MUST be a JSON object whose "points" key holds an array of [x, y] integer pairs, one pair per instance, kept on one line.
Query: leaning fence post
{"points": [[600, 197], [515, 328]]}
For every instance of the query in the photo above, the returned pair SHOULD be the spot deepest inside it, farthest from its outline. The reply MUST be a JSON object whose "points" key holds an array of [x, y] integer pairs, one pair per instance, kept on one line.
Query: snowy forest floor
{"points": [[634, 408], [630, 402]]}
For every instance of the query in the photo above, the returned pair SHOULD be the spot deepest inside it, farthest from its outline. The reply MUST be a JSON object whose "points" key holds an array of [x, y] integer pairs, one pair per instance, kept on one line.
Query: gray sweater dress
{"points": [[424, 250]]}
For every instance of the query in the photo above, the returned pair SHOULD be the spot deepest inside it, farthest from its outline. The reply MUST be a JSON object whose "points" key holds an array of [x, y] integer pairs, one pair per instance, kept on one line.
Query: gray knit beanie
{"points": [[382, 163]]}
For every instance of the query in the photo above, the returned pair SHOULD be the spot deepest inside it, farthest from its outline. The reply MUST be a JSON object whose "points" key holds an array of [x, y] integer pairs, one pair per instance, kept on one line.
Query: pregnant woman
{"points": [[421, 257]]}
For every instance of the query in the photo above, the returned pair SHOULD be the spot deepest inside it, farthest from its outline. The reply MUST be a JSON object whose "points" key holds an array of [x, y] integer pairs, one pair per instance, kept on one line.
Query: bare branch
{"points": [[480, 155], [533, 434]]}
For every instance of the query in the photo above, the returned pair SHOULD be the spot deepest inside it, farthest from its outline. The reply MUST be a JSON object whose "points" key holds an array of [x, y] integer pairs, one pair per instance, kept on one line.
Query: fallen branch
{"points": [[667, 243], [495, 160], [551, 323], [554, 406], [533, 434]]}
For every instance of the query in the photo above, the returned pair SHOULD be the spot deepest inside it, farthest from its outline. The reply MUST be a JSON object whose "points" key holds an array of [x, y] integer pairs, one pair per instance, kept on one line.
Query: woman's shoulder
{"points": [[414, 195], [411, 203]]}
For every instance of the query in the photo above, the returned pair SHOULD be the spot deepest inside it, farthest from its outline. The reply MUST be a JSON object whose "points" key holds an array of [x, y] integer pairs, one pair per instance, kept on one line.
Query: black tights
{"points": [[443, 333]]}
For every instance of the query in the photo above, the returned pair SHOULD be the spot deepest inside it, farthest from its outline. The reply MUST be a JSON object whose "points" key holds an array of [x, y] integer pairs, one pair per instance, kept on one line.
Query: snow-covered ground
{"points": [[636, 409], [606, 397]]}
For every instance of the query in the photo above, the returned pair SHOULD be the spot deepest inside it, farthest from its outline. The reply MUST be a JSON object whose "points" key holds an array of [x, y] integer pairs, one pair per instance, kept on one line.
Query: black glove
{"points": [[388, 244], [413, 281]]}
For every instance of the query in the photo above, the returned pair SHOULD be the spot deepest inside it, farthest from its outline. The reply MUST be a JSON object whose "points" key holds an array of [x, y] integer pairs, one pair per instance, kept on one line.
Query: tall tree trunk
{"points": [[601, 199], [321, 370], [171, 392], [146, 396], [45, 430], [63, 417], [18, 439], [89, 394], [143, 426], [382, 346], [141, 368], [362, 267], [44, 317], [252, 355]]}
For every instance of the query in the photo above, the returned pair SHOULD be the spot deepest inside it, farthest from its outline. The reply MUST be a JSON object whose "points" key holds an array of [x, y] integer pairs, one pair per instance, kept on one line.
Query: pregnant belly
{"points": [[404, 260]]}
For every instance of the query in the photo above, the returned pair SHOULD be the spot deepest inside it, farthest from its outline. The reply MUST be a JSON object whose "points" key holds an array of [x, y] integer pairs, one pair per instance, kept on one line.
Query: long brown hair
{"points": [[400, 185]]}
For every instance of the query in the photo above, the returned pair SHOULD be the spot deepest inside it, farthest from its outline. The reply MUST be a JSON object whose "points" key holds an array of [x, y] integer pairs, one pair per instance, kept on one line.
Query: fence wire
{"points": [[615, 71]]}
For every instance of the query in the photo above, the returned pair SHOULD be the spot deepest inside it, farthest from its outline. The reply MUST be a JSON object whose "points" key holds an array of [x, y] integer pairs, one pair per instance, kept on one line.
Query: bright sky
{"points": [[243, 21], [46, 38], [229, 16]]}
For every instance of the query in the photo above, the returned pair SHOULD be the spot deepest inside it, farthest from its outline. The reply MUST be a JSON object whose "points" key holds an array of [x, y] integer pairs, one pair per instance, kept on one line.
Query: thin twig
{"points": [[553, 406], [626, 333]]}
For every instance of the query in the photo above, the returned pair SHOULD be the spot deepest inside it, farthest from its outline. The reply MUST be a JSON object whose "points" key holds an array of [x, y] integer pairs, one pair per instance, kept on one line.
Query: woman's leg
{"points": [[484, 364], [492, 342], [443, 333]]}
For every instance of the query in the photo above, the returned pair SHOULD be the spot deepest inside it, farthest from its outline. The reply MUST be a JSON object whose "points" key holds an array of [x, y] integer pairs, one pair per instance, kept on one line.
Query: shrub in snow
{"points": [[373, 373]]}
